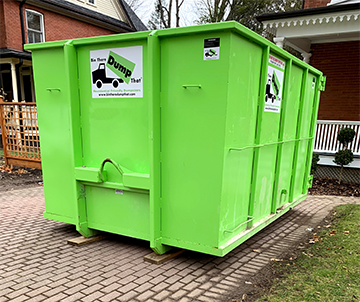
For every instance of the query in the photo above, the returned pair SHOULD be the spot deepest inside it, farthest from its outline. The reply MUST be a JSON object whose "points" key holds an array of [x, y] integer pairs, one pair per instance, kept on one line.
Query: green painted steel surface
{"points": [[155, 136]]}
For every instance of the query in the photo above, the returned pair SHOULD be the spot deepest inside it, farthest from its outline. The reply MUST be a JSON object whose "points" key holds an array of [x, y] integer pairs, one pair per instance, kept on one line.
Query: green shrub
{"points": [[345, 156], [345, 136]]}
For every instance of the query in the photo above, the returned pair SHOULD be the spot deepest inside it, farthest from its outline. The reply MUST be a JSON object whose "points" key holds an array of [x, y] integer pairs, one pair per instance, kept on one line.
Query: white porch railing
{"points": [[326, 136]]}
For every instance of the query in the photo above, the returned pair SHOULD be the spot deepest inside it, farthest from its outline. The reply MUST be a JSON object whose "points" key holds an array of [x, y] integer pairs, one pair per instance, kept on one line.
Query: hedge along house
{"points": [[32, 21], [327, 35]]}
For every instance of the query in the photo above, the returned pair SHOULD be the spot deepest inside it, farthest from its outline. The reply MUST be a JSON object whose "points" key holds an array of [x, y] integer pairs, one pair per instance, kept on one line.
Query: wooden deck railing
{"points": [[326, 136], [20, 134]]}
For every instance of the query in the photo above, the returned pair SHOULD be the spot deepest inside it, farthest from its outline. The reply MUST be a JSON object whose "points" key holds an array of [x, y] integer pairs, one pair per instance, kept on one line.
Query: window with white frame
{"points": [[35, 26], [91, 2]]}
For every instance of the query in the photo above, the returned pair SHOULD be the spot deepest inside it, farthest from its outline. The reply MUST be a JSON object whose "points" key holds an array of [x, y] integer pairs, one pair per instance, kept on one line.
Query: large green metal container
{"points": [[194, 137]]}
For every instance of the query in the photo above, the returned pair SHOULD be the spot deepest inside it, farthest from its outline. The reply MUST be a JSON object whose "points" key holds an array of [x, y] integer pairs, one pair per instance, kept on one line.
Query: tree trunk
{"points": [[341, 170]]}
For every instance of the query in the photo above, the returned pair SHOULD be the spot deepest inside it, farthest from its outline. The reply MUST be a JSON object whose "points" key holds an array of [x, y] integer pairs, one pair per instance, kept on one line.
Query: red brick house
{"points": [[327, 34], [32, 21]]}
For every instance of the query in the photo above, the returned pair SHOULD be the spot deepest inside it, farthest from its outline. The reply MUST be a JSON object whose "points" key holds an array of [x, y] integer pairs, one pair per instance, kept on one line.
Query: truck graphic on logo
{"points": [[121, 67], [210, 53], [99, 77], [273, 85]]}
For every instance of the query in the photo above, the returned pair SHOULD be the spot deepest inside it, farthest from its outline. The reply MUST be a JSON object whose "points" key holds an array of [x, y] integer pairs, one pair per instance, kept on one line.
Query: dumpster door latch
{"points": [[322, 83]]}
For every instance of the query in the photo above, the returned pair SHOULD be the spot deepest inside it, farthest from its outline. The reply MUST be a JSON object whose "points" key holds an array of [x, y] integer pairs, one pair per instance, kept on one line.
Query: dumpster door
{"points": [[193, 114], [114, 125]]}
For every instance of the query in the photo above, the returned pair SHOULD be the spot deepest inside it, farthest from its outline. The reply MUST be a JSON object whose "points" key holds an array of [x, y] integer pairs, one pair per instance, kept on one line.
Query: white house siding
{"points": [[109, 8]]}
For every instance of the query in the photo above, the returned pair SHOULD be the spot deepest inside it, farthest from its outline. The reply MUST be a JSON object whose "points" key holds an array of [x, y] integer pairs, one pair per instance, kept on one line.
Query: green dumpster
{"points": [[194, 137]]}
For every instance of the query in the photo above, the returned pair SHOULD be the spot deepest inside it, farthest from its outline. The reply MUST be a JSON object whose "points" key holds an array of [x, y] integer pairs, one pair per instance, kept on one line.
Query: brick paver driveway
{"points": [[36, 264]]}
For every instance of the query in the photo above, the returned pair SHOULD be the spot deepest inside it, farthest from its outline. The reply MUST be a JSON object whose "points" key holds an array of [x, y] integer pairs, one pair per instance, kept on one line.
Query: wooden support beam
{"points": [[158, 259], [83, 240]]}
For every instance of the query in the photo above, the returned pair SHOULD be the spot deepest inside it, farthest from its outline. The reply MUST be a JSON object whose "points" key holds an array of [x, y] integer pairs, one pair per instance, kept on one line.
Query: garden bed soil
{"points": [[16, 178], [326, 186]]}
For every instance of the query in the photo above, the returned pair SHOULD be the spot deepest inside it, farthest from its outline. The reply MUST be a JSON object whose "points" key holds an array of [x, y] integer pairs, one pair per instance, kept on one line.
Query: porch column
{"points": [[14, 82], [279, 41]]}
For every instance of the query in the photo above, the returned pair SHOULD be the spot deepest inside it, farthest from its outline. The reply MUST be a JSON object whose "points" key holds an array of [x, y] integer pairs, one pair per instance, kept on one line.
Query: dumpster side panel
{"points": [[192, 139], [289, 134], [54, 118], [304, 133], [244, 84], [264, 175]]}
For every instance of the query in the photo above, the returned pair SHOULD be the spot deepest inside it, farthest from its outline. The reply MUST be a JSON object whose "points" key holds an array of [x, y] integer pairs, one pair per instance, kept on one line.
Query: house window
{"points": [[35, 26], [91, 2]]}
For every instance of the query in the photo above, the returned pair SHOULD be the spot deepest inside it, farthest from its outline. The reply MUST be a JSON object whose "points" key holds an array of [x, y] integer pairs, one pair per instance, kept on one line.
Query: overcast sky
{"points": [[188, 12]]}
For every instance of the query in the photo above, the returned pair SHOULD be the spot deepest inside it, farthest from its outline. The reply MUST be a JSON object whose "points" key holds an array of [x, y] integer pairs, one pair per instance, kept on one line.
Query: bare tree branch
{"points": [[135, 4], [243, 11], [161, 17]]}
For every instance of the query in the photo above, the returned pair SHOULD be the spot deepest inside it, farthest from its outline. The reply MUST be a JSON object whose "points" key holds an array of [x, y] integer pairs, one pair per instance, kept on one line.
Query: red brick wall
{"points": [[57, 27], [340, 63], [315, 3], [12, 31], [2, 25]]}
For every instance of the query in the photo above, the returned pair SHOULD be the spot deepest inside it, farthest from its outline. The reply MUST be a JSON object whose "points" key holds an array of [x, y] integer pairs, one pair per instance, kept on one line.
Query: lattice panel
{"points": [[350, 175], [20, 131]]}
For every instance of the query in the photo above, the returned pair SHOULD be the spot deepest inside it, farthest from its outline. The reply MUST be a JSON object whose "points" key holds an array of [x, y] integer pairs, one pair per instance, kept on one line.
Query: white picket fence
{"points": [[326, 136]]}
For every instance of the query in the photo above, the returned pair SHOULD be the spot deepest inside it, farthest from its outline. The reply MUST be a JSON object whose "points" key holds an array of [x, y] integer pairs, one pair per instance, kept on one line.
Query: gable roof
{"points": [[90, 16], [132, 17]]}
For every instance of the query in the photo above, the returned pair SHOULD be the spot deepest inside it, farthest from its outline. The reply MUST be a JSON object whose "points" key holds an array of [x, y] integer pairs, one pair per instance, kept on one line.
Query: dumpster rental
{"points": [[195, 137]]}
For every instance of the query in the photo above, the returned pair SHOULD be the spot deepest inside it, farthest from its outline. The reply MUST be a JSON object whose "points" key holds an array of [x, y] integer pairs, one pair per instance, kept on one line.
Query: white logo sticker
{"points": [[117, 72], [274, 85], [212, 49]]}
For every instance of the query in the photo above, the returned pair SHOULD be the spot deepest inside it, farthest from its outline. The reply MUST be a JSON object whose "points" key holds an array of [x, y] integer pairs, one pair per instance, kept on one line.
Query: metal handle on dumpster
{"points": [[116, 165], [53, 89], [191, 86], [250, 218]]}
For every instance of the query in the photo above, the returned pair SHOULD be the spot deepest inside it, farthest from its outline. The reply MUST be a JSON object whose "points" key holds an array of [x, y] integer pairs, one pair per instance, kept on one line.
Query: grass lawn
{"points": [[1, 152], [327, 271]]}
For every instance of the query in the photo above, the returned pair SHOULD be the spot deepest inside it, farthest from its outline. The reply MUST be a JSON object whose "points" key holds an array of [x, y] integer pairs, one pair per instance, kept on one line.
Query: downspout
{"points": [[17, 70], [17, 66], [303, 4], [22, 22]]}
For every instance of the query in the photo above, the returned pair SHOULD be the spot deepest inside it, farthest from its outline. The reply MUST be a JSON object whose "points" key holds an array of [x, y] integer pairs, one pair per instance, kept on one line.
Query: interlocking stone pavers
{"points": [[36, 264]]}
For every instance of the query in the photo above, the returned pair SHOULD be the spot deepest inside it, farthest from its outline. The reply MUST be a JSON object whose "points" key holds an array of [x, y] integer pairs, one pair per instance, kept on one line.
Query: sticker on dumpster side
{"points": [[212, 49], [274, 84], [117, 72]]}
